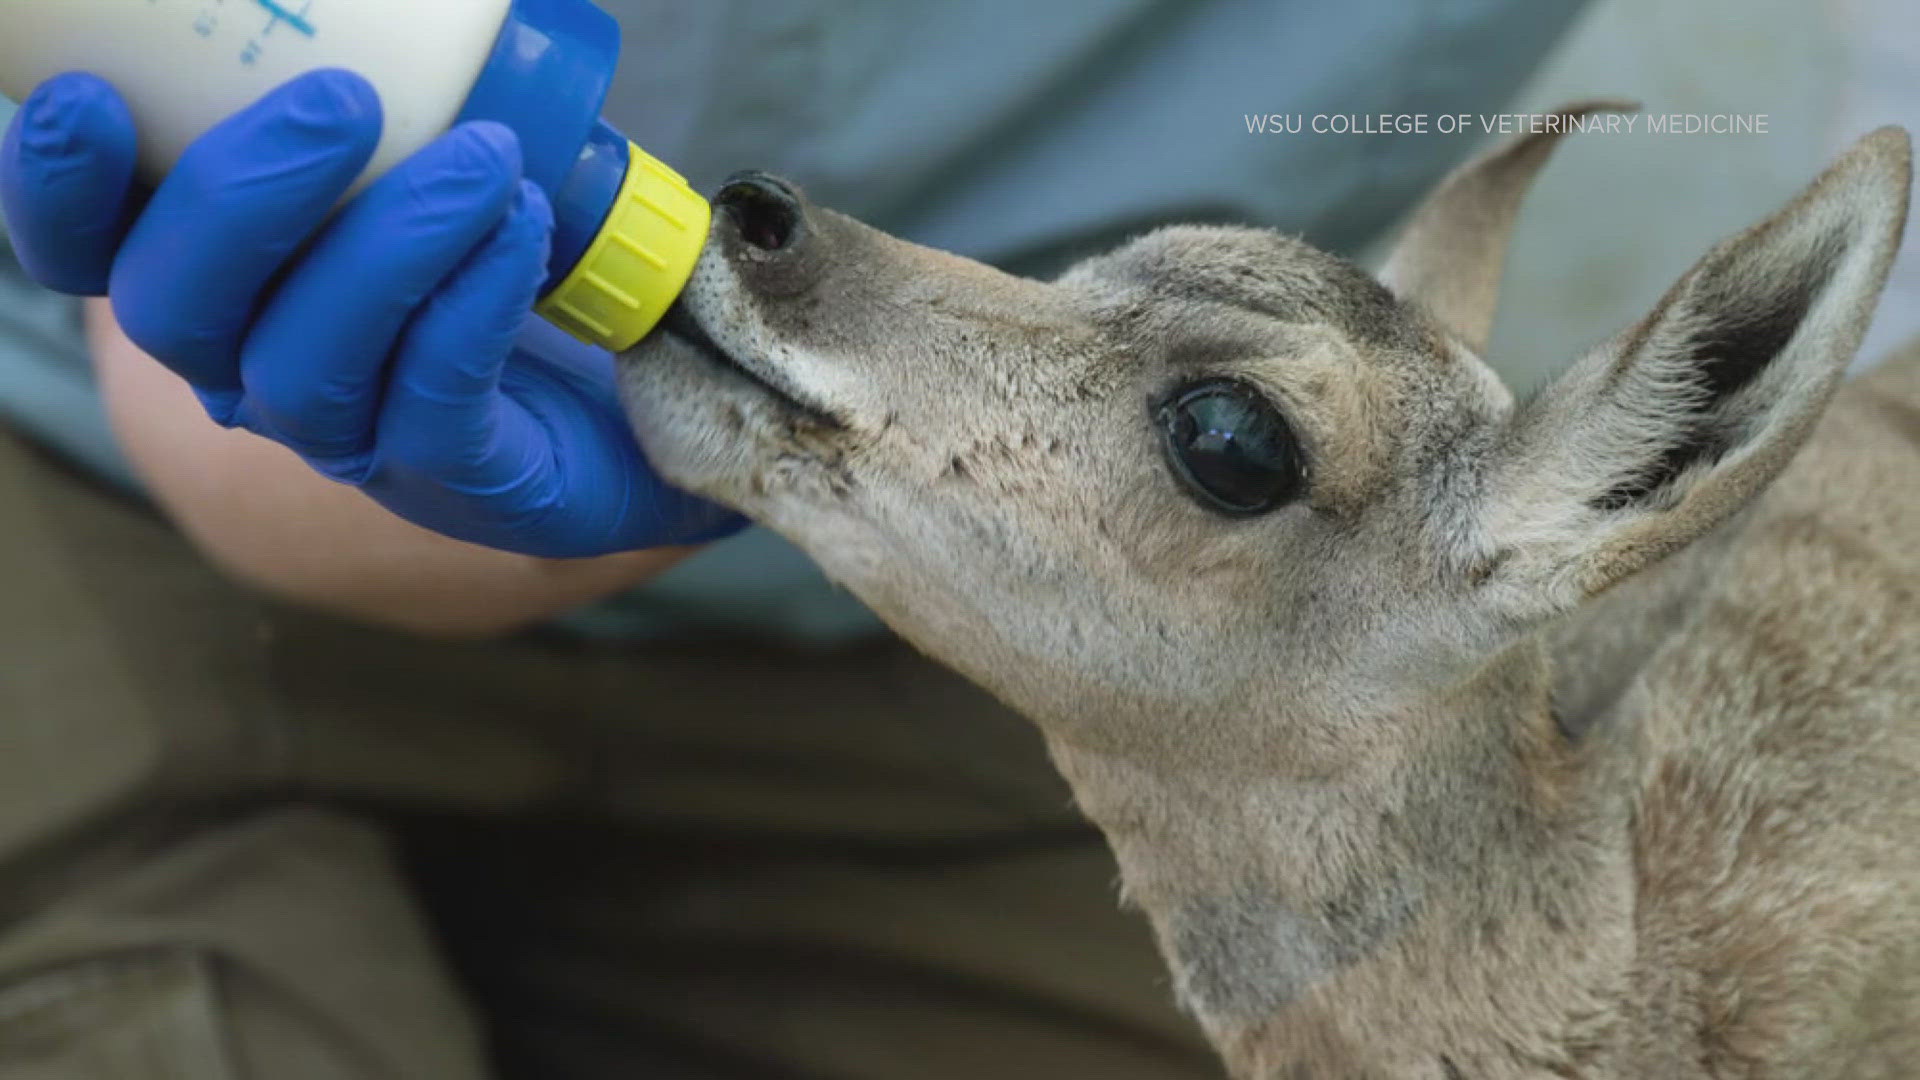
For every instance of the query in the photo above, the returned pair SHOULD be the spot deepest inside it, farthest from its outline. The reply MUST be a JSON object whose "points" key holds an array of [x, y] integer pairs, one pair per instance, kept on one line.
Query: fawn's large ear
{"points": [[1451, 251], [1662, 434]]}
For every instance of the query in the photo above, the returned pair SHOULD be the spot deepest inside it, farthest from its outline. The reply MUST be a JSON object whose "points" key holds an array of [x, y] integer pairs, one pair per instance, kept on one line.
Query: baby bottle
{"points": [[627, 228]]}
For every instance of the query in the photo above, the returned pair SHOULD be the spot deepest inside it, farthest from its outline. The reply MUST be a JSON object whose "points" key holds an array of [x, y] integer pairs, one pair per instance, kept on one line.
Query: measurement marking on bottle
{"points": [[280, 13]]}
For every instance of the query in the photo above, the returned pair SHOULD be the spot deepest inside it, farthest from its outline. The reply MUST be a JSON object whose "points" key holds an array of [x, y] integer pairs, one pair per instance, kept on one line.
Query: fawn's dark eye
{"points": [[1230, 447]]}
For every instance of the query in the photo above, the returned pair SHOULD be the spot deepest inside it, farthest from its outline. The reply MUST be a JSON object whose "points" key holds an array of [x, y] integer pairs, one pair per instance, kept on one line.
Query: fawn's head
{"points": [[1261, 544], [1218, 465]]}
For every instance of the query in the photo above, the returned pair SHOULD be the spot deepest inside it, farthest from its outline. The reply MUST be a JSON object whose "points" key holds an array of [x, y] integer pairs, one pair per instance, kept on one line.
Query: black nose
{"points": [[764, 209]]}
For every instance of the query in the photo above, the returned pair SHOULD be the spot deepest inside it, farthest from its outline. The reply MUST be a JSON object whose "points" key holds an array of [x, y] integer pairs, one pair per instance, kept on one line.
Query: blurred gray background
{"points": [[1616, 218]]}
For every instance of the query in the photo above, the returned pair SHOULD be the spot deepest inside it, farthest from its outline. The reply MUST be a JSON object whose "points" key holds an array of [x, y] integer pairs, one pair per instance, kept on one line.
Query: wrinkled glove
{"points": [[377, 343]]}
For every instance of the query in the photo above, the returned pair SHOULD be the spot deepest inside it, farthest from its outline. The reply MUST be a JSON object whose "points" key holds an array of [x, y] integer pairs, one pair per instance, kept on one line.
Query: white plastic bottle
{"points": [[627, 228], [185, 65]]}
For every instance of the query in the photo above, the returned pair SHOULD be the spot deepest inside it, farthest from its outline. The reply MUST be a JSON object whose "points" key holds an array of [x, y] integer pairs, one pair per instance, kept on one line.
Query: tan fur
{"points": [[1572, 738]]}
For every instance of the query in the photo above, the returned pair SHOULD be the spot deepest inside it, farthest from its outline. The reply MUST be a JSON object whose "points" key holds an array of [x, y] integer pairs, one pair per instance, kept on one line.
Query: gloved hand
{"points": [[379, 344]]}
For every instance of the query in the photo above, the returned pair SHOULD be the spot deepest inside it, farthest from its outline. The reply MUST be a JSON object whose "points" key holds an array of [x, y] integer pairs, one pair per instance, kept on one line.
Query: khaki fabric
{"points": [[239, 841]]}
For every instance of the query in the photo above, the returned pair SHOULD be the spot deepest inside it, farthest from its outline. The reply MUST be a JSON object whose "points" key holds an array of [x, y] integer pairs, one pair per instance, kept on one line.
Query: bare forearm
{"points": [[261, 513]]}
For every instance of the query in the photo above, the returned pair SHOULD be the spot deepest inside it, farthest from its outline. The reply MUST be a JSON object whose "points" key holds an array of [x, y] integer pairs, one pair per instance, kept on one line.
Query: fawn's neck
{"points": [[1473, 895]]}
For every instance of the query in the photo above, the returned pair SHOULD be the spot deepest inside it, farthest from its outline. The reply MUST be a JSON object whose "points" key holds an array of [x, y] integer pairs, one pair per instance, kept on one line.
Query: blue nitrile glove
{"points": [[379, 344]]}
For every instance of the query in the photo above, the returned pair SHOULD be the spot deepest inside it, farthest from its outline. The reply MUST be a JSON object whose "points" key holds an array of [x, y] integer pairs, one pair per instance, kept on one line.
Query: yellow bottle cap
{"points": [[638, 263]]}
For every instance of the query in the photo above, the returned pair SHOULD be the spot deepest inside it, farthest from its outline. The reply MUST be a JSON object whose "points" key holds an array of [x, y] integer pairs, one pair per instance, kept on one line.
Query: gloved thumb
{"points": [[67, 182]]}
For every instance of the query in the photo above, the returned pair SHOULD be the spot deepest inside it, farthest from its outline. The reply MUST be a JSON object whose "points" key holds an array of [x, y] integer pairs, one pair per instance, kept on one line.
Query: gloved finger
{"points": [[610, 497], [241, 201], [443, 413], [314, 363], [66, 182]]}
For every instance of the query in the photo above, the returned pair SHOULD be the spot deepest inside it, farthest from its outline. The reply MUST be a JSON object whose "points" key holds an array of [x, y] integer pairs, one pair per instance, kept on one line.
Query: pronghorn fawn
{"points": [[1438, 735]]}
